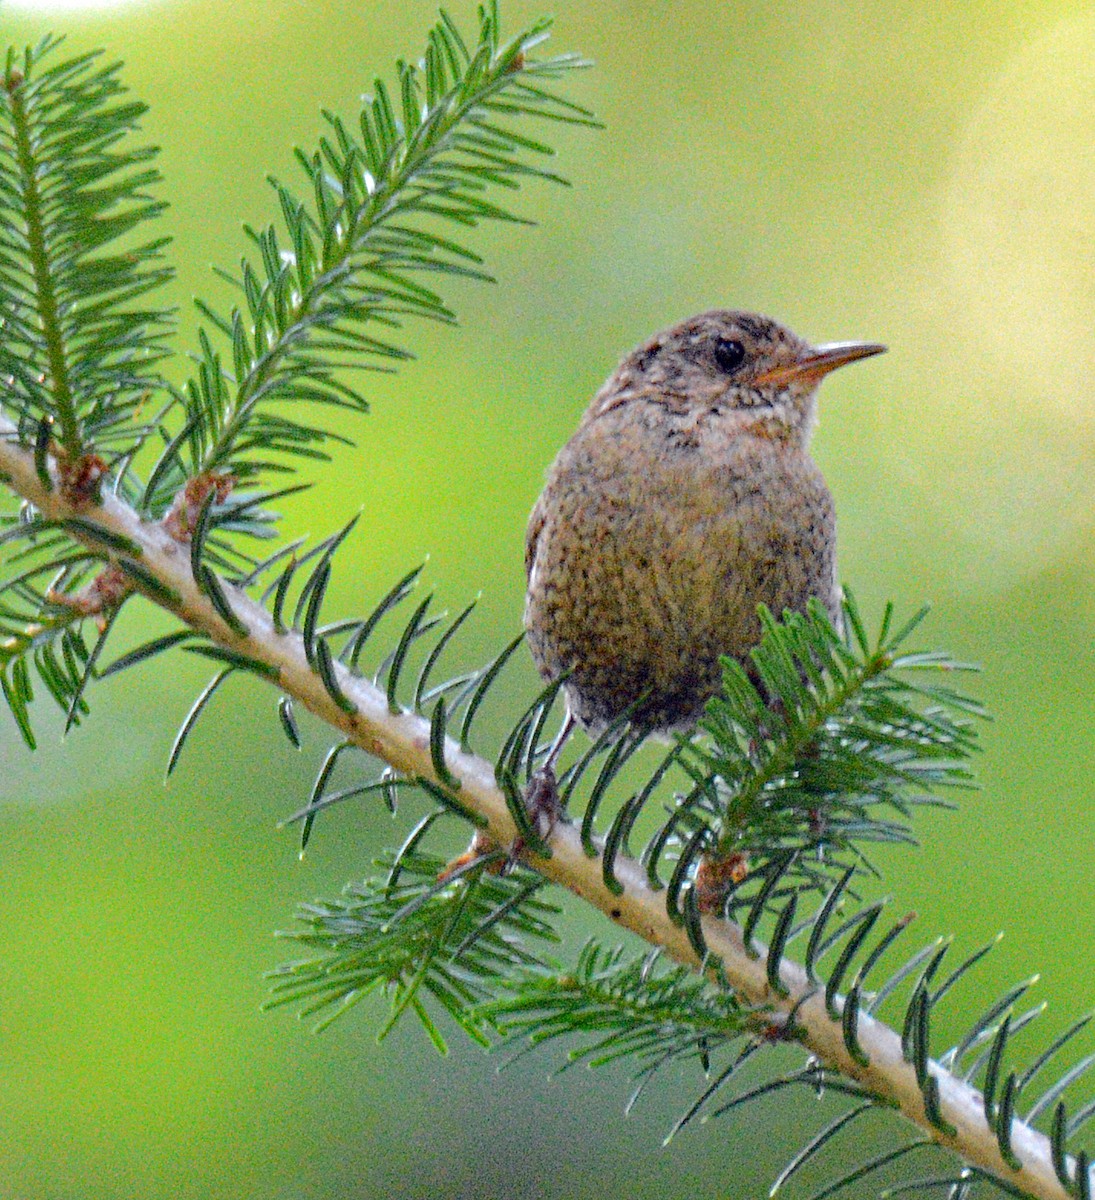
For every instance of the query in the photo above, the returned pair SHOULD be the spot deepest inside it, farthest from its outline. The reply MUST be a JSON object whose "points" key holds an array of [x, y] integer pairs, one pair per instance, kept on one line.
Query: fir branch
{"points": [[854, 730], [636, 1008], [795, 765], [38, 563], [78, 356], [868, 1055], [800, 758], [413, 937], [351, 263]]}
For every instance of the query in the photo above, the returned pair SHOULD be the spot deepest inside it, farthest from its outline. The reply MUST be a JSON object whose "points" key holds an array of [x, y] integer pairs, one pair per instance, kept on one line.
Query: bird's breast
{"points": [[654, 551]]}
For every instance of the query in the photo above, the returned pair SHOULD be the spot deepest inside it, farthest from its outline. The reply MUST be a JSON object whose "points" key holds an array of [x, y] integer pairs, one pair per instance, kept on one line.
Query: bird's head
{"points": [[746, 367]]}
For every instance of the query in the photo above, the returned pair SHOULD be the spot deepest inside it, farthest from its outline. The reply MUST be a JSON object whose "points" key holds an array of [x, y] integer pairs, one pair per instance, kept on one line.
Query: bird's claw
{"points": [[545, 811]]}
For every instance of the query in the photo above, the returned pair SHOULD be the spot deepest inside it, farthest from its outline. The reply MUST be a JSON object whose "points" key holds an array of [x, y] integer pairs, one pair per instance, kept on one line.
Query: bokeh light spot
{"points": [[1008, 321]]}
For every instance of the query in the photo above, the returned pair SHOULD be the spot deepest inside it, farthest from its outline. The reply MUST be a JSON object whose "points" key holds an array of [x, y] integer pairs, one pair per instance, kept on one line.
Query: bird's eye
{"points": [[729, 354]]}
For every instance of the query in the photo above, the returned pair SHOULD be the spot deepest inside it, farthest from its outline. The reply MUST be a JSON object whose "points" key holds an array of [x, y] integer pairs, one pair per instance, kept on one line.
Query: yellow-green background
{"points": [[919, 174]]}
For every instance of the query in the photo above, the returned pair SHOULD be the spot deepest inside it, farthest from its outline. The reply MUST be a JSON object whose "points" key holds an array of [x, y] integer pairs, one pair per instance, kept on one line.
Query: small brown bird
{"points": [[686, 498]]}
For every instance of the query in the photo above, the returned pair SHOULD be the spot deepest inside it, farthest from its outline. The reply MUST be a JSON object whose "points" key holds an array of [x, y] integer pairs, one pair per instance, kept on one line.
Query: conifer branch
{"points": [[44, 290], [788, 780], [357, 251], [403, 740], [77, 354]]}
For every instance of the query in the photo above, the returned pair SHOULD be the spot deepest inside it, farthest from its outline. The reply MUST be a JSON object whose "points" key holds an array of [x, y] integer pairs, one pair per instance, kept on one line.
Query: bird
{"points": [[686, 499]]}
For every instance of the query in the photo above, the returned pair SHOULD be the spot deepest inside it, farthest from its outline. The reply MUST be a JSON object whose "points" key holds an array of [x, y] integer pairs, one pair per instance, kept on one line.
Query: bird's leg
{"points": [[544, 809], [542, 791], [565, 730]]}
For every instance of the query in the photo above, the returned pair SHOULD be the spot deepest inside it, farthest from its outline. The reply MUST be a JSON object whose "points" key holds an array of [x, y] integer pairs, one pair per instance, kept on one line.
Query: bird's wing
{"points": [[532, 535]]}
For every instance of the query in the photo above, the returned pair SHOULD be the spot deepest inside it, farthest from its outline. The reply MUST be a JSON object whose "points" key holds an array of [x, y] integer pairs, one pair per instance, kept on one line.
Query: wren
{"points": [[686, 498]]}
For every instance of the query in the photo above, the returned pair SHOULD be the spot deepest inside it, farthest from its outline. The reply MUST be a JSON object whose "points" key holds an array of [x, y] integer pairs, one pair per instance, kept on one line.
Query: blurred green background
{"points": [[922, 175]]}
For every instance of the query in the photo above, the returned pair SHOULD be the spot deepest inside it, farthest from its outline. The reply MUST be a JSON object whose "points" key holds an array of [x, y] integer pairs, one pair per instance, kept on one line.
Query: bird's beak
{"points": [[818, 361]]}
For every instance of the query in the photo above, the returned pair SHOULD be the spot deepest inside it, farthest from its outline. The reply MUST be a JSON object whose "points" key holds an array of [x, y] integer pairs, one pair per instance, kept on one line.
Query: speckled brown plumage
{"points": [[686, 498]]}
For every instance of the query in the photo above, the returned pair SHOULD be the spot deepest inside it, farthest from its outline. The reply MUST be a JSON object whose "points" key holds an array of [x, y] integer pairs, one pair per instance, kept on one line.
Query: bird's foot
{"points": [[545, 811]]}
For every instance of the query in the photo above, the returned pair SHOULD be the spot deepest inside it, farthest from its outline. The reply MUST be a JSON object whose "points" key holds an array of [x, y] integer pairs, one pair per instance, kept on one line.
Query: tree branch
{"points": [[45, 292], [164, 574]]}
